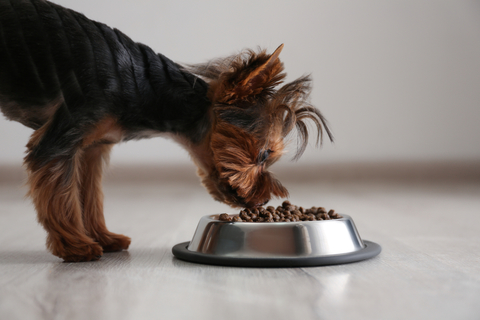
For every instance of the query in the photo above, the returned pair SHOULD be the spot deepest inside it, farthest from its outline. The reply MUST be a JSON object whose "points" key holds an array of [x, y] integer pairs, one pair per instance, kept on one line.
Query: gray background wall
{"points": [[397, 80]]}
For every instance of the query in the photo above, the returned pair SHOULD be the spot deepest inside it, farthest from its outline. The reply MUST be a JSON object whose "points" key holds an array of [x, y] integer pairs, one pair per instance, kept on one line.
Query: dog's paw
{"points": [[115, 242], [90, 252]]}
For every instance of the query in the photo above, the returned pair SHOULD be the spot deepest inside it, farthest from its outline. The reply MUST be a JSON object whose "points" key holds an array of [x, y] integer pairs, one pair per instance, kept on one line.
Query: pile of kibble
{"points": [[287, 212]]}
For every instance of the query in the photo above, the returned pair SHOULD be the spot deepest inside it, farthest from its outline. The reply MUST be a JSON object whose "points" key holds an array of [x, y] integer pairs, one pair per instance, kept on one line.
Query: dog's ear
{"points": [[250, 76], [259, 78]]}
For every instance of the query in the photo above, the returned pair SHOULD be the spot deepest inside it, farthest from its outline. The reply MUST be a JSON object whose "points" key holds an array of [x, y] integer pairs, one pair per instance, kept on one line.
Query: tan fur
{"points": [[67, 195], [106, 131], [235, 158], [95, 157], [54, 189], [246, 78], [36, 116], [244, 85]]}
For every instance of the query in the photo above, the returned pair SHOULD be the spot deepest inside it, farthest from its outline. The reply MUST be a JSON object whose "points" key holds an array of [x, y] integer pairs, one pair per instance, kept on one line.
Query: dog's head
{"points": [[250, 120]]}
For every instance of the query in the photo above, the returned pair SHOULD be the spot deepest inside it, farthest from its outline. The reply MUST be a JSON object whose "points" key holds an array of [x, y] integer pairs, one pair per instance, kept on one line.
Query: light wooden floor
{"points": [[429, 267]]}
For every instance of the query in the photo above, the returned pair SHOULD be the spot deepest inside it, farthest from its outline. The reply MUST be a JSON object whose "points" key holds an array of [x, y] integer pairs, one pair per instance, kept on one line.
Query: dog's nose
{"points": [[262, 204], [255, 204]]}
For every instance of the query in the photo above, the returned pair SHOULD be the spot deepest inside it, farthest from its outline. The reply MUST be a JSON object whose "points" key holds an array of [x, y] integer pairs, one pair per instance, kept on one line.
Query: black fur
{"points": [[55, 60]]}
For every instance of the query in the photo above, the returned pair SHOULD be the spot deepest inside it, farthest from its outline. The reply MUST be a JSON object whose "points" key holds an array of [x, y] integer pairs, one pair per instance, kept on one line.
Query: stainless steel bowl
{"points": [[276, 244]]}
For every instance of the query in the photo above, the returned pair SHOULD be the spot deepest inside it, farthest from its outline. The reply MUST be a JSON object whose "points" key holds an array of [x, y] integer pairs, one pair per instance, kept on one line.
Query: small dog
{"points": [[84, 87]]}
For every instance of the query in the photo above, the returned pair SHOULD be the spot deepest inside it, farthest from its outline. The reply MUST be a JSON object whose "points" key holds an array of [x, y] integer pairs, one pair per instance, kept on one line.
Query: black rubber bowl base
{"points": [[371, 250]]}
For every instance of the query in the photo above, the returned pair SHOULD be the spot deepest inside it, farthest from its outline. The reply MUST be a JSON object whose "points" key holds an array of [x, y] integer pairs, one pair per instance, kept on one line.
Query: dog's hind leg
{"points": [[55, 192], [94, 159], [53, 162]]}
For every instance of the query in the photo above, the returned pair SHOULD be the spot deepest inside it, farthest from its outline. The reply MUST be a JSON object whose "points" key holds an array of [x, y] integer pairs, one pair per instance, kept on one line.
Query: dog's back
{"points": [[50, 55], [36, 60]]}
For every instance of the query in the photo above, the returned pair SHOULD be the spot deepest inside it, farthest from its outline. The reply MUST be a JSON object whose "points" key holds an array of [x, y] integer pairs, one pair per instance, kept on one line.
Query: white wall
{"points": [[397, 80]]}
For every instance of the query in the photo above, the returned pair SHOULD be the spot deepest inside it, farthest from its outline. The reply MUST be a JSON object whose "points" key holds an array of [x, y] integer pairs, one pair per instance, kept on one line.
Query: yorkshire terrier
{"points": [[84, 87]]}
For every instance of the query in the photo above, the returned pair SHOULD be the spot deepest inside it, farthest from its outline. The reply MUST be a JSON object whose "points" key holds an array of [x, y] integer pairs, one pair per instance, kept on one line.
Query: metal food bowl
{"points": [[276, 244]]}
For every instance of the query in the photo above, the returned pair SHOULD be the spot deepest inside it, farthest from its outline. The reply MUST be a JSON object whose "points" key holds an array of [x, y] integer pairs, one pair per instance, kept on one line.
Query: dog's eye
{"points": [[263, 155]]}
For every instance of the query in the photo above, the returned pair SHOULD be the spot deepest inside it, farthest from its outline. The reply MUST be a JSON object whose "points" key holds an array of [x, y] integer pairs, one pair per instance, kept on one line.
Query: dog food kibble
{"points": [[285, 213]]}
